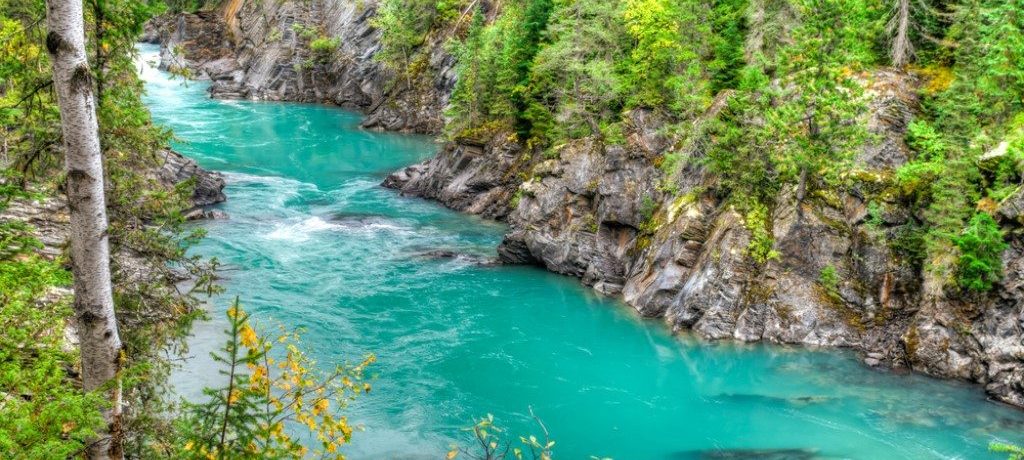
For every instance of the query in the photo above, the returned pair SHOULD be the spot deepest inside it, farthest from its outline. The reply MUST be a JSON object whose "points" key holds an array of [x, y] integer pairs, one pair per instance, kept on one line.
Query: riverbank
{"points": [[601, 213], [314, 242]]}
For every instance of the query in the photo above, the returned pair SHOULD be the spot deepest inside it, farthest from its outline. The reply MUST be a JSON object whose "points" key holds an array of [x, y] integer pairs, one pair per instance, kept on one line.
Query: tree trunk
{"points": [[899, 28], [90, 253], [99, 33]]}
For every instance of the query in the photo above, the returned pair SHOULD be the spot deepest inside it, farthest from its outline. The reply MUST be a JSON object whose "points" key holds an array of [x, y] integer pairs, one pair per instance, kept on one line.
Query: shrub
{"points": [[323, 48], [267, 389], [762, 242], [981, 247], [829, 281]]}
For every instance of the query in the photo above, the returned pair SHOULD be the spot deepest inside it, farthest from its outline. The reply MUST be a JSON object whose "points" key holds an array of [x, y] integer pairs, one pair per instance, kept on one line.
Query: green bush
{"points": [[56, 418], [829, 281], [323, 48], [762, 242], [981, 247]]}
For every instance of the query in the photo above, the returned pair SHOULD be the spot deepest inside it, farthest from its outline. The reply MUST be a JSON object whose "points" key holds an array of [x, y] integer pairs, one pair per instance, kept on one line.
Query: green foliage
{"points": [[575, 77], [910, 243], [739, 153], [816, 125], [305, 32], [647, 208], [405, 24], [476, 101], [728, 36], [762, 243], [648, 213], [665, 67], [988, 87], [522, 47], [829, 281], [981, 247], [491, 443], [323, 48], [971, 102], [272, 389], [1014, 452], [46, 415], [145, 220]]}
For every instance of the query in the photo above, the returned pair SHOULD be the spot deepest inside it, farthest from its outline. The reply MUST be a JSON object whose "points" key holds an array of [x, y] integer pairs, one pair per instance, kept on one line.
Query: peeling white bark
{"points": [[90, 253]]}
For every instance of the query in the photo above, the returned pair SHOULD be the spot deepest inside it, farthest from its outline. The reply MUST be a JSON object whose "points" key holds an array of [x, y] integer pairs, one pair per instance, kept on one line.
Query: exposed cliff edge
{"points": [[49, 219], [602, 213], [265, 56], [598, 212], [208, 186]]}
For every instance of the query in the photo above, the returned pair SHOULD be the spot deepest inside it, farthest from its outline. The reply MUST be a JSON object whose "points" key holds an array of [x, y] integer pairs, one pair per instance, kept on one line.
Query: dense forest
{"points": [[774, 93], [772, 90]]}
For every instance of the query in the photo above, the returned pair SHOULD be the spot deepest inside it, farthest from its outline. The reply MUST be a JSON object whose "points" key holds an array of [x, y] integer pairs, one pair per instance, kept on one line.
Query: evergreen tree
{"points": [[729, 31], [816, 120], [666, 68], [576, 76], [520, 51]]}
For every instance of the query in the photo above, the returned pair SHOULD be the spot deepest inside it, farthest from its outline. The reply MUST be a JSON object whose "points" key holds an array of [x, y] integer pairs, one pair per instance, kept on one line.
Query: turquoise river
{"points": [[314, 242]]}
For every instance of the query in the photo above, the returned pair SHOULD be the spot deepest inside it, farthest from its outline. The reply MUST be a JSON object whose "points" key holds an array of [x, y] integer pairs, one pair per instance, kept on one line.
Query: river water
{"points": [[314, 242]]}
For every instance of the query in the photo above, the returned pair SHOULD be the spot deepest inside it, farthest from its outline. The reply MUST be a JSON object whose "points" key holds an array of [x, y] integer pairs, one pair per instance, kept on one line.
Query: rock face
{"points": [[209, 186], [599, 212], [480, 179], [604, 213], [259, 53], [49, 218]]}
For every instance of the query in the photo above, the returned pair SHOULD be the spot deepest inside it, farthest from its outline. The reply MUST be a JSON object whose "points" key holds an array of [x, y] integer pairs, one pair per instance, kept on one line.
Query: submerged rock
{"points": [[446, 254], [358, 220], [747, 398], [206, 214]]}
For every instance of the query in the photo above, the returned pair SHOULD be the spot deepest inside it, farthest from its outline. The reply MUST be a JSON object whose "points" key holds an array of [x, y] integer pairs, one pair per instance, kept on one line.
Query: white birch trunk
{"points": [[90, 252]]}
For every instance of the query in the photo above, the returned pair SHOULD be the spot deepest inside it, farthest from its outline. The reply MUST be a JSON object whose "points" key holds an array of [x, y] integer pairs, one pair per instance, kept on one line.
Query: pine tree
{"points": [[576, 73], [666, 65], [817, 120]]}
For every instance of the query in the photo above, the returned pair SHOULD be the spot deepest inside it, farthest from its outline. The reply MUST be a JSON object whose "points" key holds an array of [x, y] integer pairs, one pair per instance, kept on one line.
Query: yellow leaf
{"points": [[248, 337]]}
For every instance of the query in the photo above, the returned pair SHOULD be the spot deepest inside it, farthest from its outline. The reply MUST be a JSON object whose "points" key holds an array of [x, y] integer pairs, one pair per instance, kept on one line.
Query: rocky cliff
{"points": [[601, 213], [50, 222], [615, 217], [263, 51]]}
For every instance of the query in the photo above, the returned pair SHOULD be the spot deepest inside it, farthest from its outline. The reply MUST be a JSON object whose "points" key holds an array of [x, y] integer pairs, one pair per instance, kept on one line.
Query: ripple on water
{"points": [[313, 242]]}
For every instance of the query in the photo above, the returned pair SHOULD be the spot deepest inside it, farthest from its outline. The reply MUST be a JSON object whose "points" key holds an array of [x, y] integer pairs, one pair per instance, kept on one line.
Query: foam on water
{"points": [[301, 231], [313, 242]]}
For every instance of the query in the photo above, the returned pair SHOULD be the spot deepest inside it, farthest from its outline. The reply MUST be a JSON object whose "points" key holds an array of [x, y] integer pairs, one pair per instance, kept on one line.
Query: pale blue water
{"points": [[314, 242]]}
